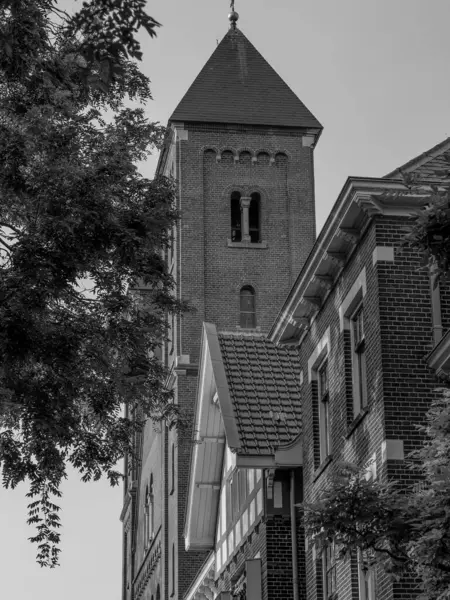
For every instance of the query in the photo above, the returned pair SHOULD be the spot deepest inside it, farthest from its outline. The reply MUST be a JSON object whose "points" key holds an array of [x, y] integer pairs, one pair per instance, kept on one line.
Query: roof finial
{"points": [[233, 16]]}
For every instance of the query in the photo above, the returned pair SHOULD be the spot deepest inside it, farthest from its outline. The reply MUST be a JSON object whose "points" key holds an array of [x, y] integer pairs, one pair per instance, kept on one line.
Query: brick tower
{"points": [[241, 149]]}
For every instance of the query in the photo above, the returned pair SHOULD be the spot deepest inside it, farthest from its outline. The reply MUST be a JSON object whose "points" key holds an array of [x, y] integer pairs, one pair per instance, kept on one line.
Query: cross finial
{"points": [[233, 16]]}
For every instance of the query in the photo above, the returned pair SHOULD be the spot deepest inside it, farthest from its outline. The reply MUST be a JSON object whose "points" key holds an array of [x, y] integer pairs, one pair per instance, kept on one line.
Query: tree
{"points": [[407, 530], [74, 210], [430, 232]]}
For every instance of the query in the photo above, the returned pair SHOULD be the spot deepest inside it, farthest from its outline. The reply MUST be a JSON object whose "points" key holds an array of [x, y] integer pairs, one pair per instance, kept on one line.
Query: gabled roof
{"points": [[248, 399], [264, 386], [434, 164], [237, 85]]}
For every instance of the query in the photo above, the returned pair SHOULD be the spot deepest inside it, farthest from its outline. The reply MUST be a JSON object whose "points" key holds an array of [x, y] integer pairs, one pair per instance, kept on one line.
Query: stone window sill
{"points": [[253, 245], [356, 422], [322, 467]]}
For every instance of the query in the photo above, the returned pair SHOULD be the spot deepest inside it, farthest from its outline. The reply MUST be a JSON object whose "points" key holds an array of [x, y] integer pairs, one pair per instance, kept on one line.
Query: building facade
{"points": [[301, 352], [365, 332], [241, 150]]}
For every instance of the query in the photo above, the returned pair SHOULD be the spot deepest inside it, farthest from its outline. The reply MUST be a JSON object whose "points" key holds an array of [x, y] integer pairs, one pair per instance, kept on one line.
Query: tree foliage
{"points": [[407, 530], [430, 232], [75, 212]]}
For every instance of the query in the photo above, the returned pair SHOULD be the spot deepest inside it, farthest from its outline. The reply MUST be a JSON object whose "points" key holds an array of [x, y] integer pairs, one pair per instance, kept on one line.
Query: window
{"points": [[247, 308], [254, 218], [148, 514], [358, 360], [329, 571], [366, 578], [324, 410], [173, 570], [146, 519], [245, 218], [236, 216], [172, 467]]}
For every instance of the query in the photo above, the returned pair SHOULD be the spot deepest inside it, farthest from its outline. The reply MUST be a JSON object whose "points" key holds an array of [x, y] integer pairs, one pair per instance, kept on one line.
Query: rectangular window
{"points": [[324, 410], [366, 579], [329, 572], [359, 375]]}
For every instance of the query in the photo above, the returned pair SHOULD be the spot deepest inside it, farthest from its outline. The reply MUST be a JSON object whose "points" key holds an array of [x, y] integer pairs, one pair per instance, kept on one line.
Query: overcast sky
{"points": [[375, 74]]}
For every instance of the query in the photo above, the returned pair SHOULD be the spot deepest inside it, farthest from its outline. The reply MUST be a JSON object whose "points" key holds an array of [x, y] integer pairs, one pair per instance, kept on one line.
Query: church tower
{"points": [[241, 150]]}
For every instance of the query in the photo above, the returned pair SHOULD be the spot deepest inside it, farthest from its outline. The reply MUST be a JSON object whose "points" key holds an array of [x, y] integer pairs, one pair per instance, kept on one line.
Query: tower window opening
{"points": [[236, 217], [254, 218], [247, 308]]}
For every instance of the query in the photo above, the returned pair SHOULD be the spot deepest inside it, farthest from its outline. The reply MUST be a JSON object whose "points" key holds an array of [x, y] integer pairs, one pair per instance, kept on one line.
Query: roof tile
{"points": [[264, 383]]}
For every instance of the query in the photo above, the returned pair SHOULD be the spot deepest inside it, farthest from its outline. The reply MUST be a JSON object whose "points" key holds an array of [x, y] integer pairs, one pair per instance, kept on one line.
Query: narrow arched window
{"points": [[254, 220], [236, 217], [158, 593], [247, 308]]}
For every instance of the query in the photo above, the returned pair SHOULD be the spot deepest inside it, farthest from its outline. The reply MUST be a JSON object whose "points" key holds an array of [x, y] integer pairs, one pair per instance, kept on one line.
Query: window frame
{"points": [[255, 201], [323, 397], [329, 568], [366, 580], [173, 571], [172, 469], [243, 314], [359, 359], [235, 227]]}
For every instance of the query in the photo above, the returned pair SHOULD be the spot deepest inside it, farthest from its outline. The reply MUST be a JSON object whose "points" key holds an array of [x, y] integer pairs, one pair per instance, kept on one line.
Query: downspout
{"points": [[294, 537], [436, 311]]}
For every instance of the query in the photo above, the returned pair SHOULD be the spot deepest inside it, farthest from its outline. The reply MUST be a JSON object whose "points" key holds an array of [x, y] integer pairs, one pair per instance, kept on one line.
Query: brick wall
{"points": [[397, 311], [211, 273], [209, 276]]}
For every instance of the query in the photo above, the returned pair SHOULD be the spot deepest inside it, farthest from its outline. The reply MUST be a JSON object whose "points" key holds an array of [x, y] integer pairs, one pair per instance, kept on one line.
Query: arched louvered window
{"points": [[236, 217], [247, 308], [254, 220]]}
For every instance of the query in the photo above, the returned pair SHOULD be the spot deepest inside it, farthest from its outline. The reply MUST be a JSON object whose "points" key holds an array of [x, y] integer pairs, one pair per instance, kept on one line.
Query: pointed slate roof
{"points": [[237, 85]]}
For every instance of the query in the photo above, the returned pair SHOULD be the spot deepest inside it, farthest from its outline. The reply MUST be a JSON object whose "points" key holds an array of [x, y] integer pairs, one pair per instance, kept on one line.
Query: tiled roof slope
{"points": [[237, 85], [430, 165], [264, 384]]}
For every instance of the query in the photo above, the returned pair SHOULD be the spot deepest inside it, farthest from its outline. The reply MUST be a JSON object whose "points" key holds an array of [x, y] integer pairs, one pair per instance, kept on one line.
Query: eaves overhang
{"points": [[359, 201]]}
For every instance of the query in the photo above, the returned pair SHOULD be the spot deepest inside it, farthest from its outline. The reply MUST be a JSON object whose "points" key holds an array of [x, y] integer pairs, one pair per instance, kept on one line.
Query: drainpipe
{"points": [[294, 538], [436, 311]]}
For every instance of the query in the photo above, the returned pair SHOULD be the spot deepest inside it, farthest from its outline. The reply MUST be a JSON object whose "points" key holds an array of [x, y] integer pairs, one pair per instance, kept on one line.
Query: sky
{"points": [[374, 73]]}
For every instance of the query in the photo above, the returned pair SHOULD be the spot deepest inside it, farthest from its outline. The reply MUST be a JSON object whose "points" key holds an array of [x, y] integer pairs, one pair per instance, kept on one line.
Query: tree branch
{"points": [[7, 246], [10, 227]]}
